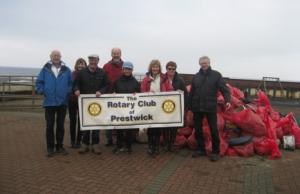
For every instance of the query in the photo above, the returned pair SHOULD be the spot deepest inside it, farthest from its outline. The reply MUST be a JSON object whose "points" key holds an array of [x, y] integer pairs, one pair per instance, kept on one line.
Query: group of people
{"points": [[61, 89]]}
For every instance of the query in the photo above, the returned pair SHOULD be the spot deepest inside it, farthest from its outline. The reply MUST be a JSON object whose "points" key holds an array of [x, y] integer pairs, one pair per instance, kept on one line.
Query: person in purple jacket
{"points": [[73, 108]]}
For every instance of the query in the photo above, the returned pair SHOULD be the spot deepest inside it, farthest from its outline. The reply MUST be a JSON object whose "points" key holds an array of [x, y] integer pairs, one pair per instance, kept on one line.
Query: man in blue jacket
{"points": [[54, 82]]}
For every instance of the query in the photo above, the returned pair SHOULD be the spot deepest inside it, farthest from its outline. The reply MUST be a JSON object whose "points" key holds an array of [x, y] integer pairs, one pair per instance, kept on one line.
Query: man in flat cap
{"points": [[55, 83], [91, 80]]}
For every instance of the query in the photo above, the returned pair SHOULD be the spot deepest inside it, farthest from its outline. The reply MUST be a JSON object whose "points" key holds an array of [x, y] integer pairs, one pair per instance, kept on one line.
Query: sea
{"points": [[30, 71], [19, 71]]}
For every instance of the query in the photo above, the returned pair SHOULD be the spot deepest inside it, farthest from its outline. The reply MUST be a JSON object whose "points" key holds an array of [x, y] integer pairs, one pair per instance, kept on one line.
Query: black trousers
{"points": [[124, 138], [154, 138], [87, 137], [169, 135], [52, 114], [212, 122], [76, 136]]}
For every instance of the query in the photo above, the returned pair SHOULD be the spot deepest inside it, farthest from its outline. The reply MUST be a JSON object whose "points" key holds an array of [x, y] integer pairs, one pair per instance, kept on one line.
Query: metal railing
{"points": [[14, 88], [19, 91]]}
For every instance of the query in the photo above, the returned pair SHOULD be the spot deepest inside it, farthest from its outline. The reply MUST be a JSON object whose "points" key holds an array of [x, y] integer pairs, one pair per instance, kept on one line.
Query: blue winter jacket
{"points": [[55, 90]]}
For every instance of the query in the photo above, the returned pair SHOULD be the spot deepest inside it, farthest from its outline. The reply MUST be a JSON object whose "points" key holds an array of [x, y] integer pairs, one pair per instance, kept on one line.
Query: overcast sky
{"points": [[245, 39]]}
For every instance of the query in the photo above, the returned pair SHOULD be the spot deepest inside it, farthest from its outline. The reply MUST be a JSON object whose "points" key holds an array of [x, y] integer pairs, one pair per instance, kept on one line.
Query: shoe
{"points": [[129, 150], [156, 151], [165, 148], [83, 149], [214, 157], [50, 153], [77, 145], [96, 150], [198, 153], [116, 150], [170, 149], [109, 144], [150, 152], [61, 150]]}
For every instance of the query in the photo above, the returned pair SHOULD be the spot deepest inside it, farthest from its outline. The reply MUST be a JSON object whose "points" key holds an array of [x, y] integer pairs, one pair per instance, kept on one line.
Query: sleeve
{"points": [[105, 84], [183, 88], [114, 88], [76, 82], [40, 82], [224, 89], [190, 96], [143, 85], [70, 82], [138, 87]]}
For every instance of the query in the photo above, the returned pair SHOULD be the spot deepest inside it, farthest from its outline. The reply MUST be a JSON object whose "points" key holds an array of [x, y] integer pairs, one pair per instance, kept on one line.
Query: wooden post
{"points": [[32, 91]]}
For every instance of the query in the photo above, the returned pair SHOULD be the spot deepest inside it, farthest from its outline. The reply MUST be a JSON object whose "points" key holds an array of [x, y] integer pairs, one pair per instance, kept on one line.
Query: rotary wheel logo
{"points": [[94, 109], [168, 106]]}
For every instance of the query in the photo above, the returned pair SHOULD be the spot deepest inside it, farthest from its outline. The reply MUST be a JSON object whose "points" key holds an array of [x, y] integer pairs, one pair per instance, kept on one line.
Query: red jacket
{"points": [[167, 86], [146, 82], [114, 72]]}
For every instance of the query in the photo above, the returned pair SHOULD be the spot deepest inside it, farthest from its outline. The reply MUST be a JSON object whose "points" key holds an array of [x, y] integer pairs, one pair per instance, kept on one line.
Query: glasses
{"points": [[171, 69]]}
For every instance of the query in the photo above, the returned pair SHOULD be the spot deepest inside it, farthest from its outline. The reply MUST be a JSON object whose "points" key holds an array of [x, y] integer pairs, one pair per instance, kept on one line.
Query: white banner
{"points": [[128, 111]]}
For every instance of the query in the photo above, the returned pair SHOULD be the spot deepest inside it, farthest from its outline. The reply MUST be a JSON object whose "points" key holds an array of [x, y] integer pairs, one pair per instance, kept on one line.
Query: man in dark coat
{"points": [[203, 102], [91, 80]]}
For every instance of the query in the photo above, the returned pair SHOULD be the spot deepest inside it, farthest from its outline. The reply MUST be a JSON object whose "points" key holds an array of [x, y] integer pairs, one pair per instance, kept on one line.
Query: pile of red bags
{"points": [[257, 119]]}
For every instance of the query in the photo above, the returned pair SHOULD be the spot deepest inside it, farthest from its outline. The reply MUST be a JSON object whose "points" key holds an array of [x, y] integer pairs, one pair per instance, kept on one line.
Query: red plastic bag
{"points": [[244, 150], [189, 116], [279, 133], [249, 122], [220, 98], [180, 141], [285, 124], [237, 93], [296, 133], [231, 152], [263, 100], [235, 102], [186, 131], [220, 122], [223, 146], [192, 142], [267, 147]]}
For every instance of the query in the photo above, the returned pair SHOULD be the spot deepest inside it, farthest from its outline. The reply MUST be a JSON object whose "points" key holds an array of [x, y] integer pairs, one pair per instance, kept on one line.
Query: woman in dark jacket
{"points": [[73, 107], [124, 85], [173, 82], [153, 83]]}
